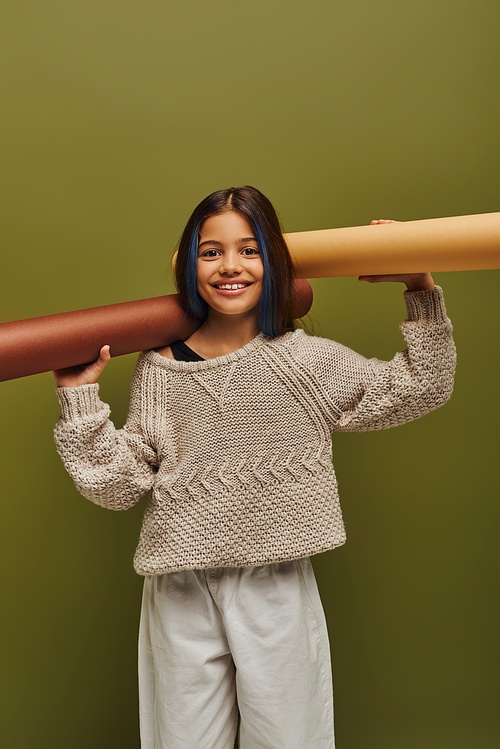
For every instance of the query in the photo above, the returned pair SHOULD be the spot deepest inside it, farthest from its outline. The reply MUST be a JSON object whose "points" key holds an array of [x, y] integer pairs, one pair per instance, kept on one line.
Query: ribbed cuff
{"points": [[79, 401], [426, 306]]}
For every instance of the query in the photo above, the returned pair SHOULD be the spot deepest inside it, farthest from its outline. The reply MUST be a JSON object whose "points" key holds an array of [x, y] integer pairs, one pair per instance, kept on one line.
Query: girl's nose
{"points": [[230, 263]]}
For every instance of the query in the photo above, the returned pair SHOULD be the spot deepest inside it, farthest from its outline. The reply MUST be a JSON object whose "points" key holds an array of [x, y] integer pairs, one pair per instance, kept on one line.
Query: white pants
{"points": [[215, 640]]}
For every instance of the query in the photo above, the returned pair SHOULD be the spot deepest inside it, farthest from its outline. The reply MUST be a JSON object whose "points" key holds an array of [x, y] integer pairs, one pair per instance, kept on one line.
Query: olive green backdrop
{"points": [[117, 118]]}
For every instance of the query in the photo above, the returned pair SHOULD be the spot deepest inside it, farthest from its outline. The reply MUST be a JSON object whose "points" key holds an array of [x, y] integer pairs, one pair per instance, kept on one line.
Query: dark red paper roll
{"points": [[41, 344]]}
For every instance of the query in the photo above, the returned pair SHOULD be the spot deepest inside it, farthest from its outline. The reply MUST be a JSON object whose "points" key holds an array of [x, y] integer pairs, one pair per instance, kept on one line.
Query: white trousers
{"points": [[250, 638]]}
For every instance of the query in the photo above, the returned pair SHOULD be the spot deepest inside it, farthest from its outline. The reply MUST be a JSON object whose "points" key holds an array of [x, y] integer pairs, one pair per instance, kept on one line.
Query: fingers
{"points": [[413, 281], [419, 282], [104, 356], [97, 368], [384, 221], [83, 375], [379, 279]]}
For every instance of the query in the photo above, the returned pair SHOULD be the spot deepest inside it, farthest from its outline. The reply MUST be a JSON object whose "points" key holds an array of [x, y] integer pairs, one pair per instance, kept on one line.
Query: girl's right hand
{"points": [[84, 374]]}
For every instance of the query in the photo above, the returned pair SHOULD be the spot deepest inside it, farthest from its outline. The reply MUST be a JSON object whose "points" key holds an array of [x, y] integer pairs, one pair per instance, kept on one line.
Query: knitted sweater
{"points": [[237, 449]]}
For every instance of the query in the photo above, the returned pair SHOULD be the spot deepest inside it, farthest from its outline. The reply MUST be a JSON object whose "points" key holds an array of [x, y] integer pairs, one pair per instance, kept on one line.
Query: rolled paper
{"points": [[67, 339], [435, 244]]}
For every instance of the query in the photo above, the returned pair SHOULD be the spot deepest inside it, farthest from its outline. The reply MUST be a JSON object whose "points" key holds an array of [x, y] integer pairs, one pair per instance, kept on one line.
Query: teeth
{"points": [[231, 286]]}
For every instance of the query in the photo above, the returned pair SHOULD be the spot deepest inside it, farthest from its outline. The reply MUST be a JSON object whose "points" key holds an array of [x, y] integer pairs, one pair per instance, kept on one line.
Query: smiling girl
{"points": [[231, 431]]}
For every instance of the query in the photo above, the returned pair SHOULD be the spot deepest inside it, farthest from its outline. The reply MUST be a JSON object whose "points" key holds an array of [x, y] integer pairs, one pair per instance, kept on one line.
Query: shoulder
{"points": [[152, 359], [165, 351], [146, 360], [308, 347], [322, 357]]}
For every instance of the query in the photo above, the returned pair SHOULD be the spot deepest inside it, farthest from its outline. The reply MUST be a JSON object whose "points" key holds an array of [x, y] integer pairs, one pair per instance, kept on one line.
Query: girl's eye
{"points": [[250, 251], [210, 253]]}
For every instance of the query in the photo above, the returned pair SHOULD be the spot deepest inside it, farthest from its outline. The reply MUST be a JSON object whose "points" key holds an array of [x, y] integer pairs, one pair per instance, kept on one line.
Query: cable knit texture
{"points": [[237, 449]]}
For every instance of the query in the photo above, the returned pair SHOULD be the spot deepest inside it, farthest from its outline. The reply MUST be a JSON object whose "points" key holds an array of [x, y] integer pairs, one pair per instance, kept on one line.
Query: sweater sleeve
{"points": [[111, 467], [369, 394]]}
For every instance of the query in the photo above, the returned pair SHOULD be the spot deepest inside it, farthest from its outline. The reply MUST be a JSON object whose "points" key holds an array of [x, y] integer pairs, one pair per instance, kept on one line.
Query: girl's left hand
{"points": [[413, 281]]}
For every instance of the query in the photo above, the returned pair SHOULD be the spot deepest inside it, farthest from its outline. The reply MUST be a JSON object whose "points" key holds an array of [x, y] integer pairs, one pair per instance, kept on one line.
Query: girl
{"points": [[231, 430]]}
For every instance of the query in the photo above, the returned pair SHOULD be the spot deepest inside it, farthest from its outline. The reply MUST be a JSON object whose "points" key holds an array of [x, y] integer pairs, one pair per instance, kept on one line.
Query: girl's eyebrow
{"points": [[210, 241], [215, 241]]}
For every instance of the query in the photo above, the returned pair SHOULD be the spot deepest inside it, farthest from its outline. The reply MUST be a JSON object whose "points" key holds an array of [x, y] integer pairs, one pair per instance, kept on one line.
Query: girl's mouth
{"points": [[231, 289]]}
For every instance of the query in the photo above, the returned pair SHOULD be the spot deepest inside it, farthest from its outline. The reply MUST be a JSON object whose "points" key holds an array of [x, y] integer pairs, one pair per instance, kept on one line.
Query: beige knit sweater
{"points": [[237, 449]]}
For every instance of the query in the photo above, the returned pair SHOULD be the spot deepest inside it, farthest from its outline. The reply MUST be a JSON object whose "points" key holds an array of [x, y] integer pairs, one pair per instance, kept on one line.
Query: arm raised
{"points": [[111, 467]]}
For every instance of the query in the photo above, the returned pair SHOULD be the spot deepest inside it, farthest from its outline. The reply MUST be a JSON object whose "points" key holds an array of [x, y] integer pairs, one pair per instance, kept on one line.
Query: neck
{"points": [[222, 334]]}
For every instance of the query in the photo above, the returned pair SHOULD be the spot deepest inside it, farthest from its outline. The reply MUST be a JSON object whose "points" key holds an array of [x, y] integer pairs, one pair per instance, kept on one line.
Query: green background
{"points": [[117, 118]]}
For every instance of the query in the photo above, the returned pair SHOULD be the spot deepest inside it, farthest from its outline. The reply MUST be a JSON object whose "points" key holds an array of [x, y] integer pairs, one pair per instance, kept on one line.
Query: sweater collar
{"points": [[251, 347]]}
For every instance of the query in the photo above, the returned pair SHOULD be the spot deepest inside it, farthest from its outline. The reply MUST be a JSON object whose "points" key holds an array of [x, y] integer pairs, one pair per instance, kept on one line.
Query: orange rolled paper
{"points": [[436, 244], [42, 344]]}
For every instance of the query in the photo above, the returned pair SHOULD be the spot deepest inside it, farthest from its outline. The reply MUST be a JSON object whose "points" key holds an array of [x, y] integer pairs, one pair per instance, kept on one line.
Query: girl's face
{"points": [[229, 270]]}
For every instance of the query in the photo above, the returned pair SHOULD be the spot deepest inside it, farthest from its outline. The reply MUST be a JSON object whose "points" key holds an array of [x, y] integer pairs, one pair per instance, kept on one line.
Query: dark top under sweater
{"points": [[182, 352]]}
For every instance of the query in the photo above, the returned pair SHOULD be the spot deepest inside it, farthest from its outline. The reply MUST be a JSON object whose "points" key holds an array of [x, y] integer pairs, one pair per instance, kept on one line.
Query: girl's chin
{"points": [[230, 311], [230, 308]]}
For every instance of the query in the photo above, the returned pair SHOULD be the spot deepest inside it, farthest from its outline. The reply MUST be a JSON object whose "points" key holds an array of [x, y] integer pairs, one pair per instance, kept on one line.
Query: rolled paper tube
{"points": [[67, 339], [436, 244]]}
